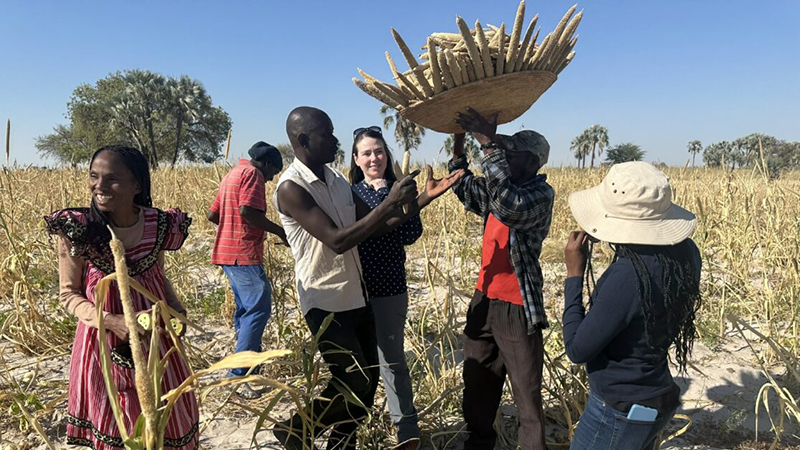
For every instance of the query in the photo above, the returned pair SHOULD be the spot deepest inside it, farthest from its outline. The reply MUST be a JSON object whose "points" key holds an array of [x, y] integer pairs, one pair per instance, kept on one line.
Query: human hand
{"points": [[483, 130], [379, 183], [116, 324], [403, 191], [576, 253], [434, 187]]}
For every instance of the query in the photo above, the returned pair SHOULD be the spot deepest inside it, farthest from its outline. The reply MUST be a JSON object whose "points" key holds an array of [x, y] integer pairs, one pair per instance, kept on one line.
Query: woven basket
{"points": [[509, 95]]}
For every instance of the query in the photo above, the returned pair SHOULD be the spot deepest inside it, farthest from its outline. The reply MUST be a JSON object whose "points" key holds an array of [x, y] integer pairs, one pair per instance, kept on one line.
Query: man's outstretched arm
{"points": [[296, 202]]}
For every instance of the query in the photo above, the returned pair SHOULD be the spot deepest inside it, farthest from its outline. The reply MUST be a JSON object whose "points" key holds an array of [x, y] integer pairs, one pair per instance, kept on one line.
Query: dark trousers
{"points": [[355, 369], [496, 343]]}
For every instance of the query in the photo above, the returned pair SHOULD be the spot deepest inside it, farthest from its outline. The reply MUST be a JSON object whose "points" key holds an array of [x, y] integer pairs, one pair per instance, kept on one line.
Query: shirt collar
{"points": [[307, 175], [536, 179], [244, 162]]}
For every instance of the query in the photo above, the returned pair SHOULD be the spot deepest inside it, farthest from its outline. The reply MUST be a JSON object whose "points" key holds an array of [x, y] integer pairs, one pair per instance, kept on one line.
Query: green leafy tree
{"points": [[781, 156], [471, 147], [624, 152], [205, 136], [89, 127], [717, 154], [694, 148], [167, 119], [747, 151], [62, 144], [749, 148]]}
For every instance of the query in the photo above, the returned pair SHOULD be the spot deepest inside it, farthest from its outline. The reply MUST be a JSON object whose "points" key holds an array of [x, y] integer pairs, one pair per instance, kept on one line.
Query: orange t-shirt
{"points": [[497, 279]]}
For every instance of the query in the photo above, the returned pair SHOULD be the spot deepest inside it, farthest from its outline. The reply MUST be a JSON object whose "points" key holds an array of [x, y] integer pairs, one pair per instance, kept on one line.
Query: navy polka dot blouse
{"points": [[383, 258]]}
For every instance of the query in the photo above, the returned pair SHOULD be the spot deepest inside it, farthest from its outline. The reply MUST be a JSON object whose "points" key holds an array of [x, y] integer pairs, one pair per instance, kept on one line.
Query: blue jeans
{"points": [[602, 427], [253, 295]]}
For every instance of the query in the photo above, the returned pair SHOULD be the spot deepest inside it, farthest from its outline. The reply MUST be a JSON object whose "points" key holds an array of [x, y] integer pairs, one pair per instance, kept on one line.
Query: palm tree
{"points": [[598, 137], [407, 133], [580, 145], [471, 147], [147, 92], [125, 117], [695, 147], [187, 98]]}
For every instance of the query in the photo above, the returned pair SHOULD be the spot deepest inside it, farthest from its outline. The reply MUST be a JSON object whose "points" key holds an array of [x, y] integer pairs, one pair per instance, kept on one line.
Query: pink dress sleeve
{"points": [[70, 286], [177, 229], [70, 226]]}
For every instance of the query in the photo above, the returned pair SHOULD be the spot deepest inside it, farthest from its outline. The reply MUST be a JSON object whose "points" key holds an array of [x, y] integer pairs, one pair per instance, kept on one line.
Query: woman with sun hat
{"points": [[643, 304]]}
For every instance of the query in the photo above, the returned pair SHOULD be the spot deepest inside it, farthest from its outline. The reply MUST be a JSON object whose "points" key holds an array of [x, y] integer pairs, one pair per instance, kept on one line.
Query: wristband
{"points": [[489, 145]]}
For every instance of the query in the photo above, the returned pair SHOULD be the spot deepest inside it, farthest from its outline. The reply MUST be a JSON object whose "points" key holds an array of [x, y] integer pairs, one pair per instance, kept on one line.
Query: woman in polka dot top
{"points": [[383, 261]]}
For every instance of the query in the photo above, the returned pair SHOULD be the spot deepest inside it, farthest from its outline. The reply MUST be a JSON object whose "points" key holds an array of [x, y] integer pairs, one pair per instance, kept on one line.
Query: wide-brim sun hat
{"points": [[632, 205]]}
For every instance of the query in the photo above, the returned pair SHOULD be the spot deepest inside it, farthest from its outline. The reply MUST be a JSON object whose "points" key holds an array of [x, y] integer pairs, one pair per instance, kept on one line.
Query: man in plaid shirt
{"points": [[506, 316]]}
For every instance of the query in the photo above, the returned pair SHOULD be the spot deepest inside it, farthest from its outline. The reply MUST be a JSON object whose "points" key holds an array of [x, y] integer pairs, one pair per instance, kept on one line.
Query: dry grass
{"points": [[748, 233]]}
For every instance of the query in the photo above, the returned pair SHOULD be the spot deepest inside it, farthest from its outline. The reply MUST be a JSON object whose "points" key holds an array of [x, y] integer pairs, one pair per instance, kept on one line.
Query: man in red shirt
{"points": [[239, 211]]}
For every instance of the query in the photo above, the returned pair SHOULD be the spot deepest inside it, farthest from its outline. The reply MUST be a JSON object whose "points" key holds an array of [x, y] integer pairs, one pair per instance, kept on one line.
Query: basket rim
{"points": [[522, 89]]}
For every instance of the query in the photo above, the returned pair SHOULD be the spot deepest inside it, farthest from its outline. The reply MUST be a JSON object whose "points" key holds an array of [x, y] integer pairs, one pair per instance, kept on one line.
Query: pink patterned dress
{"points": [[90, 420]]}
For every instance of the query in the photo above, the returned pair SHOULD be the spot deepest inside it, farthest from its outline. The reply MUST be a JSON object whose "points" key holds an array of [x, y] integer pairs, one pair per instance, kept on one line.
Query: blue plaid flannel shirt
{"points": [[526, 210]]}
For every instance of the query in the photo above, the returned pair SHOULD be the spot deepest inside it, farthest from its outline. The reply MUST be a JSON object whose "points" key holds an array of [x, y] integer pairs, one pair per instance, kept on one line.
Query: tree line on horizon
{"points": [[174, 119], [748, 151]]}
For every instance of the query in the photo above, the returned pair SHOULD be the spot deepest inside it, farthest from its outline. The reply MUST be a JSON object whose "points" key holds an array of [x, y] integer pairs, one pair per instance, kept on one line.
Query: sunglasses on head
{"points": [[359, 131]]}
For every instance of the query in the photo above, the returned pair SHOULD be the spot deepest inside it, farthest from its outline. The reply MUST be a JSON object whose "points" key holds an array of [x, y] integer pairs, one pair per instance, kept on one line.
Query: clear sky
{"points": [[658, 73]]}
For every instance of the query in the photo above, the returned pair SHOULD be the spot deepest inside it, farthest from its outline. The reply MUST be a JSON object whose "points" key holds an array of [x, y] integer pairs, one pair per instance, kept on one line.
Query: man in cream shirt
{"points": [[324, 223]]}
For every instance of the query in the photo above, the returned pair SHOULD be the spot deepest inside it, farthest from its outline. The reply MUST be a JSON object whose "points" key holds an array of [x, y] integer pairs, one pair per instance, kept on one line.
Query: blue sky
{"points": [[655, 73]]}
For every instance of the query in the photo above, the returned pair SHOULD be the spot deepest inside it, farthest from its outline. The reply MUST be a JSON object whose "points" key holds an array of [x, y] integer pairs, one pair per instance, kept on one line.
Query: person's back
{"points": [[643, 304], [629, 368], [237, 242], [239, 210]]}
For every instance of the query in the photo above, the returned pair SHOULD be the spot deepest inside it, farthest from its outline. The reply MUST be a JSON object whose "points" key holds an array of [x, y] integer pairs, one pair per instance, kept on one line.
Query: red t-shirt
{"points": [[497, 279], [237, 242]]}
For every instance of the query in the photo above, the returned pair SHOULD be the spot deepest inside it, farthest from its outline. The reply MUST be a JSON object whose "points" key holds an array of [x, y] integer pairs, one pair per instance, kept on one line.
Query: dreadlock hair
{"points": [[674, 320], [588, 275], [134, 161]]}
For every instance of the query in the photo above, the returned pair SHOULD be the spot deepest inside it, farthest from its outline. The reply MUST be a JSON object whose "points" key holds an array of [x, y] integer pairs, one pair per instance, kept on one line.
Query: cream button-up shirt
{"points": [[325, 279]]}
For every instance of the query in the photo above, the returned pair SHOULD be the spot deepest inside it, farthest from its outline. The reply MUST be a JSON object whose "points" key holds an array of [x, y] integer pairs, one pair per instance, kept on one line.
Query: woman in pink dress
{"points": [[119, 182]]}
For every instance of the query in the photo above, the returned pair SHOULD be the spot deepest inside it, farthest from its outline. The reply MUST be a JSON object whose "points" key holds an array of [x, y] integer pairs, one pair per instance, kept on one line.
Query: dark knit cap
{"points": [[263, 152]]}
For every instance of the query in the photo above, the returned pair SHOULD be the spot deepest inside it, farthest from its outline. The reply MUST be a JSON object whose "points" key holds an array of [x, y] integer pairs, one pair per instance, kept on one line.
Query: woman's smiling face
{"points": [[111, 183], [371, 157]]}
